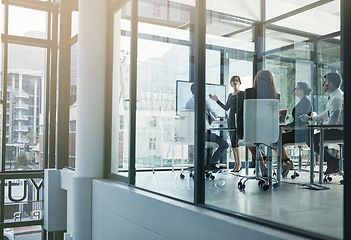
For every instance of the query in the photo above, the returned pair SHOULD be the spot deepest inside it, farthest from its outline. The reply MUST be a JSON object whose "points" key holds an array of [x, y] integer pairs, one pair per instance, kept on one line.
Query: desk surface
{"points": [[319, 126], [223, 129]]}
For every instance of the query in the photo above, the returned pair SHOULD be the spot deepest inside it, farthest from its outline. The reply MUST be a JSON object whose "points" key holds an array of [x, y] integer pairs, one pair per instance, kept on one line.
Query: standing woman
{"points": [[304, 106], [231, 104]]}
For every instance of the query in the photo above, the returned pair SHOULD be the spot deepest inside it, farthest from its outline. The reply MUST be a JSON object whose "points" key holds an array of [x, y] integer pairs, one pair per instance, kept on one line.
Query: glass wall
{"points": [[121, 90], [295, 47], [164, 53], [73, 106], [25, 66], [25, 88], [299, 41], [32, 22]]}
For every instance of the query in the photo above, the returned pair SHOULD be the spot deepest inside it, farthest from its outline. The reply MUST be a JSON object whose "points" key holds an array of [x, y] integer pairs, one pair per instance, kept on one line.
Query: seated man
{"points": [[210, 115], [334, 115]]}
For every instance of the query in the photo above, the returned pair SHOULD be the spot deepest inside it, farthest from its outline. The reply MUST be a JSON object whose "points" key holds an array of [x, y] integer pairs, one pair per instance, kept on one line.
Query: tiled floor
{"points": [[290, 204]]}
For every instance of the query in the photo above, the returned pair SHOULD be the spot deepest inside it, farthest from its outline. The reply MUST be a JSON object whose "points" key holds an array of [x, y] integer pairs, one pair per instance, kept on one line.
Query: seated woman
{"points": [[304, 106], [264, 88]]}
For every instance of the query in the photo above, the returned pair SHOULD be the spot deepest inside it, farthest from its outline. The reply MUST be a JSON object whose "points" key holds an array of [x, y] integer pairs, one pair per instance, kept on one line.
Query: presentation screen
{"points": [[183, 94]]}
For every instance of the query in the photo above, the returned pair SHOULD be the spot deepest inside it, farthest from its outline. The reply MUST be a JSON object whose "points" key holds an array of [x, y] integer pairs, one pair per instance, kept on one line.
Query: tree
{"points": [[21, 161]]}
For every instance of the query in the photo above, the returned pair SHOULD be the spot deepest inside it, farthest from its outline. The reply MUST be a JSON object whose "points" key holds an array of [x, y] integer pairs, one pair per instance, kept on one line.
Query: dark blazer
{"points": [[232, 105], [249, 93], [303, 107]]}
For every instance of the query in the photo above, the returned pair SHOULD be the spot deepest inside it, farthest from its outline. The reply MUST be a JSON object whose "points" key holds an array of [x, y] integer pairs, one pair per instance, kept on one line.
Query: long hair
{"points": [[265, 86]]}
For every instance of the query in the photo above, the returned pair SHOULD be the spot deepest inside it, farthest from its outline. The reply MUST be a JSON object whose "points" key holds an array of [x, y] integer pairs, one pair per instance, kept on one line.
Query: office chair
{"points": [[300, 145], [186, 136], [340, 142], [261, 127]]}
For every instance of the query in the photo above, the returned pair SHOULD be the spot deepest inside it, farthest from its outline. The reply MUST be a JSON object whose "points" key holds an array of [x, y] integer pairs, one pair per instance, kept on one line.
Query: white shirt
{"points": [[334, 113], [209, 113]]}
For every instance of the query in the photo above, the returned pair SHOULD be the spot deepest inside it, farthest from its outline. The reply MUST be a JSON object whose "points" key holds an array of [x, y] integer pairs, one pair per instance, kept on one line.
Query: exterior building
{"points": [[24, 105]]}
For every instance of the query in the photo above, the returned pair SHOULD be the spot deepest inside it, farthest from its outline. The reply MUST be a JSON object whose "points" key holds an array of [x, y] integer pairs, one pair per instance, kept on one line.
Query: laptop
{"points": [[282, 116]]}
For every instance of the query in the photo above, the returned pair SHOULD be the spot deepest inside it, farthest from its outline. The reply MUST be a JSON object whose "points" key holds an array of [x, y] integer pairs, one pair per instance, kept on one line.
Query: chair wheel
{"points": [[242, 187], [342, 182], [207, 175], [330, 178], [265, 187], [182, 176], [293, 176], [240, 184], [212, 177], [260, 183], [325, 180], [275, 185], [297, 174], [191, 175]]}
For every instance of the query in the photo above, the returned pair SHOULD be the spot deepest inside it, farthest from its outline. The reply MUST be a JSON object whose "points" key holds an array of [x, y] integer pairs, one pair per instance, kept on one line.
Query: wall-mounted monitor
{"points": [[183, 94]]}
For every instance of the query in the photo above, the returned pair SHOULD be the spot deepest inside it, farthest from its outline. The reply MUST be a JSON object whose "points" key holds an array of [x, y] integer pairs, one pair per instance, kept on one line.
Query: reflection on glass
{"points": [[30, 232], [27, 22], [23, 200], [213, 65], [74, 26], [25, 81], [73, 107], [321, 20], [2, 11], [296, 51], [161, 62], [277, 39], [120, 92], [275, 8]]}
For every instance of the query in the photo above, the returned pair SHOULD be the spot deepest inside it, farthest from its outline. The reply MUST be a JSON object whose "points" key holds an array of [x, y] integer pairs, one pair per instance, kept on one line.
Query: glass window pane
{"points": [[25, 200], [27, 22], [74, 26], [321, 20], [120, 92], [247, 10], [231, 37], [73, 107], [295, 51], [25, 99], [2, 18], [279, 39], [161, 151], [275, 8], [25, 233]]}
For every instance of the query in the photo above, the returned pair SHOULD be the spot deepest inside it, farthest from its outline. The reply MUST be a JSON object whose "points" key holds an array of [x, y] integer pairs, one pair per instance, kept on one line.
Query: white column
{"points": [[91, 88]]}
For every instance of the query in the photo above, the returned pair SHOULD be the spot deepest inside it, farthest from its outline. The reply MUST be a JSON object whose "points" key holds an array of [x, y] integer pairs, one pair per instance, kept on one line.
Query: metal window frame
{"points": [[50, 45]]}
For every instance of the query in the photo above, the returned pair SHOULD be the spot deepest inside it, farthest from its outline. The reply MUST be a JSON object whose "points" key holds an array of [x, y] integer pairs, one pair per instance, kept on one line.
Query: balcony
{"points": [[21, 94], [22, 106], [21, 140], [21, 129], [21, 118]]}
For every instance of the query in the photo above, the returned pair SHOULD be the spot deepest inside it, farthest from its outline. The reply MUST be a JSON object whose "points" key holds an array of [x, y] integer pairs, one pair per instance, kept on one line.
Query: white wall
{"points": [[122, 212]]}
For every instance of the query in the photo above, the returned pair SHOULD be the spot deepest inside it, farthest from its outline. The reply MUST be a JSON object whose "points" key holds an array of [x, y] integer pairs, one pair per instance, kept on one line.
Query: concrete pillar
{"points": [[82, 208], [91, 88]]}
